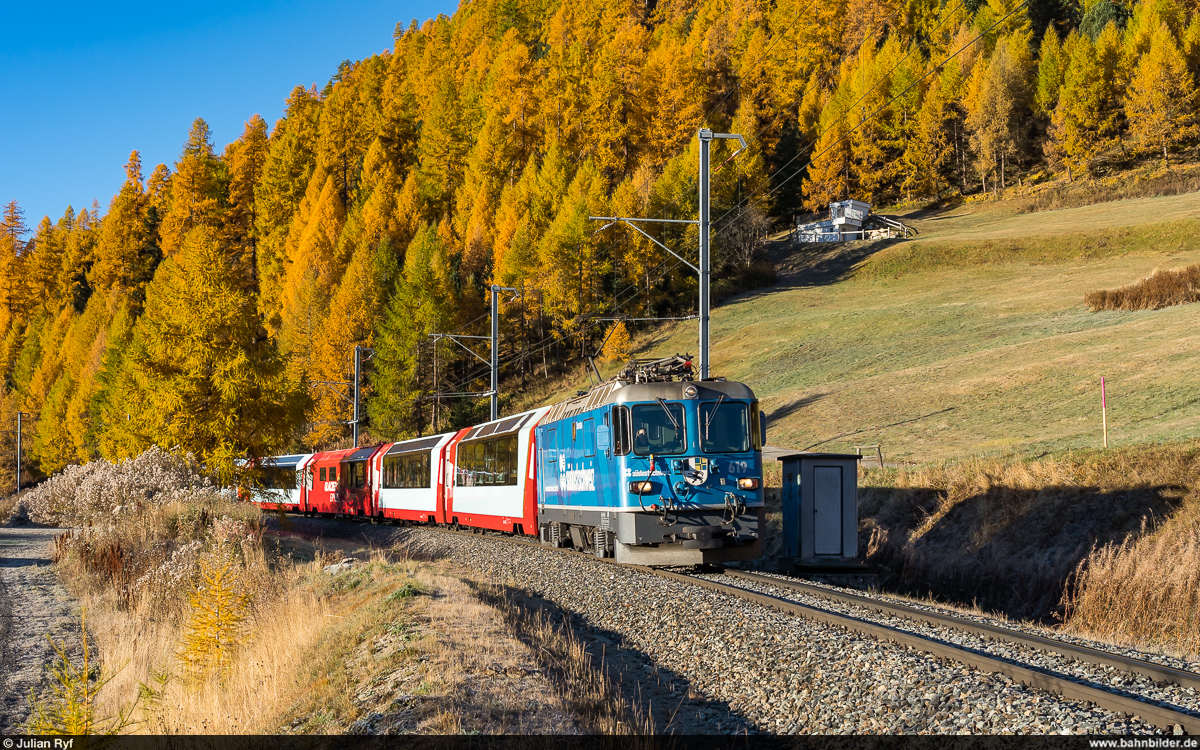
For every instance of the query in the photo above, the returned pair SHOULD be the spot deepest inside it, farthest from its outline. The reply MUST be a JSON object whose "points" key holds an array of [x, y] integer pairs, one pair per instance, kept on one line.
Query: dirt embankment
{"points": [[1102, 540], [32, 606]]}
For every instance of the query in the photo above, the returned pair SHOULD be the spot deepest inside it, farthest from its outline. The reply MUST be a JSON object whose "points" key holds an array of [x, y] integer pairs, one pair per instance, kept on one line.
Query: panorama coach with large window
{"points": [[651, 467]]}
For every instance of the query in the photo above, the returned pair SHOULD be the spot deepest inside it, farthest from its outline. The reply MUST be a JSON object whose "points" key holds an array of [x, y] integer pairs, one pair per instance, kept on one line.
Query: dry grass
{"points": [[592, 698], [7, 504], [248, 699], [215, 632], [1145, 590], [1142, 183], [388, 646], [1008, 534], [138, 577], [414, 649], [1158, 290]]}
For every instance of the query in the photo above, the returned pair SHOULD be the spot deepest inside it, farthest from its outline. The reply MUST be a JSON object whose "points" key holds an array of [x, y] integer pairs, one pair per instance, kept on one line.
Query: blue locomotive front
{"points": [[665, 472]]}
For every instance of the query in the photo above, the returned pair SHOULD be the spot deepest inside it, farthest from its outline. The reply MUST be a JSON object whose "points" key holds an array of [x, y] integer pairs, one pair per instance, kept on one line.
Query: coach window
{"points": [[282, 479], [659, 429], [406, 472], [356, 475], [480, 464], [502, 457], [488, 462]]}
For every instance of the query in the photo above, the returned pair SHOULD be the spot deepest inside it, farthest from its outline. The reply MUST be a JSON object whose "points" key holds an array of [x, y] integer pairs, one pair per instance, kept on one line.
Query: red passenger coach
{"points": [[493, 475], [336, 482]]}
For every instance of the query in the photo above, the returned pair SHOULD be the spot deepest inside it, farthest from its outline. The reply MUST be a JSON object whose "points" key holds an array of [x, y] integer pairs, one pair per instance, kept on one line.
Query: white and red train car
{"points": [[480, 477]]}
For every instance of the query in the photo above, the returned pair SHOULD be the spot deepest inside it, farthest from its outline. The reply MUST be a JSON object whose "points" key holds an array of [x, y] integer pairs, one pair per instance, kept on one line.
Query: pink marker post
{"points": [[1104, 411]]}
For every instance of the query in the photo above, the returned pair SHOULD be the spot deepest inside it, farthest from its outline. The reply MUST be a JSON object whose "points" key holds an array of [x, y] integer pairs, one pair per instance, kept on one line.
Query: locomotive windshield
{"points": [[724, 427], [658, 429]]}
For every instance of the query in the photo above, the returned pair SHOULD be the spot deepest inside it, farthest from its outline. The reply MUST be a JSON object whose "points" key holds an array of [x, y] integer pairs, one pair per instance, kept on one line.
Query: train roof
{"points": [[346, 455], [620, 391], [285, 462], [418, 445], [503, 425]]}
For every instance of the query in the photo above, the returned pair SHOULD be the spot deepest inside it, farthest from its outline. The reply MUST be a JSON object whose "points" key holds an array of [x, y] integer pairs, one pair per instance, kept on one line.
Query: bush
{"points": [[84, 495], [143, 526], [1158, 290], [1126, 186], [220, 604]]}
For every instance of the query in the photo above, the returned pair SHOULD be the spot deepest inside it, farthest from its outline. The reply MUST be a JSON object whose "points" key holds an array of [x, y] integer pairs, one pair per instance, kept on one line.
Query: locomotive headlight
{"points": [[748, 483], [641, 488], [689, 391]]}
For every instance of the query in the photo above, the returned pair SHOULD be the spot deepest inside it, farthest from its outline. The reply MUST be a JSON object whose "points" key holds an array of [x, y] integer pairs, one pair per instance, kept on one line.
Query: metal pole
{"points": [[495, 353], [19, 453], [705, 135], [1104, 411], [357, 373]]}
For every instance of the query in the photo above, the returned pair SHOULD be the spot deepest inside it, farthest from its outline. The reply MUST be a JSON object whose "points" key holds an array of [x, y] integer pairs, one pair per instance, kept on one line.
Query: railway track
{"points": [[1165, 717], [1121, 700], [1162, 716]]}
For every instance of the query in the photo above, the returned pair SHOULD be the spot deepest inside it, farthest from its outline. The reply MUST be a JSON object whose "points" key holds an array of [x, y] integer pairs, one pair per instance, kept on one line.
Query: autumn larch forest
{"points": [[214, 301]]}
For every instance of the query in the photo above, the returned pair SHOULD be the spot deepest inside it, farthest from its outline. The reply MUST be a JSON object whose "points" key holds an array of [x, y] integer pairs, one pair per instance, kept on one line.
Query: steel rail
{"points": [[1161, 716], [1153, 713], [1157, 672]]}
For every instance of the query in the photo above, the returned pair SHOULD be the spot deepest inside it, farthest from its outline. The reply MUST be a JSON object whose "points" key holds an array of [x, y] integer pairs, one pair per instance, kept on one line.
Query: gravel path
{"points": [[1131, 685], [784, 674], [32, 605]]}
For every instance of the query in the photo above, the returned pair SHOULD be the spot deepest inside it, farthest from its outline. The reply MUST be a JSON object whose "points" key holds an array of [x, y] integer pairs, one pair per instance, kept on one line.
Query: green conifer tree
{"points": [[206, 374], [1052, 66]]}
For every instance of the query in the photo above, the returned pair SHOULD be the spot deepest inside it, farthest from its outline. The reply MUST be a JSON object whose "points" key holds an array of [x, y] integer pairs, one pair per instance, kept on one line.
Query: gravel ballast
{"points": [[782, 673], [1095, 675]]}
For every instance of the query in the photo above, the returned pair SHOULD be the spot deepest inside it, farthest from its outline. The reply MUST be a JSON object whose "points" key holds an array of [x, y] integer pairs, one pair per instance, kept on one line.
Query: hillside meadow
{"points": [[970, 355], [973, 339]]}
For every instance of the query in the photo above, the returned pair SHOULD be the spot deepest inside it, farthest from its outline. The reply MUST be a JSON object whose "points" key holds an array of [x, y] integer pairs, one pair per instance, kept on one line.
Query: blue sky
{"points": [[86, 83]]}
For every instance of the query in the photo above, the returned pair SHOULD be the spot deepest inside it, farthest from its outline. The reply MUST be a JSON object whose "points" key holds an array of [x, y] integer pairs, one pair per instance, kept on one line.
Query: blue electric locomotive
{"points": [[654, 468]]}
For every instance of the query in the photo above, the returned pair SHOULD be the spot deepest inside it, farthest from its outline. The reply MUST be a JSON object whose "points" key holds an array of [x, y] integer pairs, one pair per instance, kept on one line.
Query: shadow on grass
{"points": [[786, 410], [1007, 549], [817, 264], [653, 692]]}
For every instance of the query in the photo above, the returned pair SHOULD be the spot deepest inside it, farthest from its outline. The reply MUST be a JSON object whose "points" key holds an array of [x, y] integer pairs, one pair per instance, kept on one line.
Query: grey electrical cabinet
{"points": [[820, 506]]}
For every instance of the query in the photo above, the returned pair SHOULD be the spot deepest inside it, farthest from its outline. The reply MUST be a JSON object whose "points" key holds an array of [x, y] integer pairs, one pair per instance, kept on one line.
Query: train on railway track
{"points": [[652, 467]]}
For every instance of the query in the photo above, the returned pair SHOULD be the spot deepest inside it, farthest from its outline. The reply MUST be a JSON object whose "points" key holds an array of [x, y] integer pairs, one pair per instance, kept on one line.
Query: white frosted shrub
{"points": [[95, 492]]}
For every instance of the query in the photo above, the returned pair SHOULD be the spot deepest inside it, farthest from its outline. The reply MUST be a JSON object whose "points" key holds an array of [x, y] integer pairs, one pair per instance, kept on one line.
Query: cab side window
{"points": [[589, 437], [621, 438], [322, 473]]}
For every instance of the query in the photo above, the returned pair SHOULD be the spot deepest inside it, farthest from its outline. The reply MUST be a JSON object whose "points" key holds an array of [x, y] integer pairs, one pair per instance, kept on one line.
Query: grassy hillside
{"points": [[972, 339]]}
